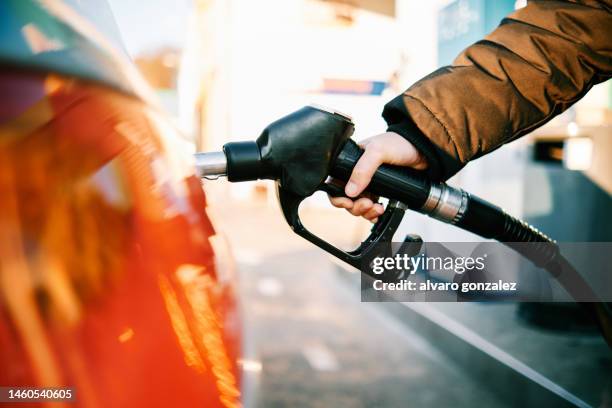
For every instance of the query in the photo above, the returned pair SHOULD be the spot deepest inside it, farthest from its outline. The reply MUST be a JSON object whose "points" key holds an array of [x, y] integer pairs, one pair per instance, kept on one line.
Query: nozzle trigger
{"points": [[381, 232]]}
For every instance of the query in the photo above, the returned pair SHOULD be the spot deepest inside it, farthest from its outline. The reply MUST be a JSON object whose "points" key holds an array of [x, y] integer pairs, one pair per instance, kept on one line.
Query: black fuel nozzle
{"points": [[296, 150], [301, 150]]}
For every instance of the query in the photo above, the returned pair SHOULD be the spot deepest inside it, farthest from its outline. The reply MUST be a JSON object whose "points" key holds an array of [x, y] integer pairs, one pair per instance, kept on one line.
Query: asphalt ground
{"points": [[319, 346], [314, 343]]}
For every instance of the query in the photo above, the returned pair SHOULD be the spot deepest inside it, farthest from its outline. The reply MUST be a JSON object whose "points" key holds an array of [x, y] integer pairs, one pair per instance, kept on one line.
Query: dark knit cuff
{"points": [[440, 165]]}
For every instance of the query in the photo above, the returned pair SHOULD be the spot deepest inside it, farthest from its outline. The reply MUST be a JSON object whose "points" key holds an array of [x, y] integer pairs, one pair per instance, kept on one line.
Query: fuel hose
{"points": [[471, 213], [448, 204], [242, 161]]}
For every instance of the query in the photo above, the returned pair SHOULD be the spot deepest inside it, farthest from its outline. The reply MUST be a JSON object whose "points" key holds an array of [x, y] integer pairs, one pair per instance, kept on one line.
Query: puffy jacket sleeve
{"points": [[537, 63]]}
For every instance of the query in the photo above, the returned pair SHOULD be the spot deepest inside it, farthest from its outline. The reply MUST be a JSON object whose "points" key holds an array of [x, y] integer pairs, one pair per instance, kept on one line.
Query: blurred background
{"points": [[224, 69]]}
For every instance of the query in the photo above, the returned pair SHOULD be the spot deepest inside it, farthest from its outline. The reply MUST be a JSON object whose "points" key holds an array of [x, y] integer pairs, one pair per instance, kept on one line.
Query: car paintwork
{"points": [[110, 269]]}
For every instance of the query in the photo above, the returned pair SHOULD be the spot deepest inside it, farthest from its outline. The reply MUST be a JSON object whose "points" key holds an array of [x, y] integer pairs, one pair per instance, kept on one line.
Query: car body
{"points": [[113, 280]]}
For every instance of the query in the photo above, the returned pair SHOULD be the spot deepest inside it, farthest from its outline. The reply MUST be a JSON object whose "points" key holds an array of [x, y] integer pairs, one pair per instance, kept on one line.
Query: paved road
{"points": [[320, 347]]}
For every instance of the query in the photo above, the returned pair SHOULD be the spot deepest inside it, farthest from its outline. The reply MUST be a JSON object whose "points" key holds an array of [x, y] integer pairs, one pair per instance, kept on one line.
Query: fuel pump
{"points": [[303, 149]]}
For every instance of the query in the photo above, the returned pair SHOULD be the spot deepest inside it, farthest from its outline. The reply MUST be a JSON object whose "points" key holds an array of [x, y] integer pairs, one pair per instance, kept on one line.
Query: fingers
{"points": [[390, 148], [374, 213], [361, 206], [365, 208], [345, 202], [341, 202], [364, 170]]}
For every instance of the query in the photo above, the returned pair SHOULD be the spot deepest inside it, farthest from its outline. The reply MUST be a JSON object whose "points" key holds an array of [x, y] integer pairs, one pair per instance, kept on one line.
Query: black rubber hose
{"points": [[484, 219], [480, 217], [490, 221]]}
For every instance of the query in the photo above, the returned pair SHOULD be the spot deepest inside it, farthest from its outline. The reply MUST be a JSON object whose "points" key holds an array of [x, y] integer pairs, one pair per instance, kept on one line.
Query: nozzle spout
{"points": [[211, 164]]}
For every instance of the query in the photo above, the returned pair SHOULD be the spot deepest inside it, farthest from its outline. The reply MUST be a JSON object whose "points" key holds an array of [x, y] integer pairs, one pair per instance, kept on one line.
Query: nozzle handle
{"points": [[408, 186]]}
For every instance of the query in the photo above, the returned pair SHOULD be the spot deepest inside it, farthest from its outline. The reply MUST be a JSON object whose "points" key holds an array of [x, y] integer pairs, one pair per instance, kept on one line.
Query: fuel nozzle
{"points": [[210, 164], [301, 150], [239, 161], [296, 150]]}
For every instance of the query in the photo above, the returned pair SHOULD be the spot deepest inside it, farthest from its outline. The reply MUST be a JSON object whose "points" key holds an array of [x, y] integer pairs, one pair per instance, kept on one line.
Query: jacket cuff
{"points": [[440, 165]]}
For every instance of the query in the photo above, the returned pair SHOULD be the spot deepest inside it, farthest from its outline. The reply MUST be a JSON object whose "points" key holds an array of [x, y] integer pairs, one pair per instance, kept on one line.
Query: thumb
{"points": [[363, 171]]}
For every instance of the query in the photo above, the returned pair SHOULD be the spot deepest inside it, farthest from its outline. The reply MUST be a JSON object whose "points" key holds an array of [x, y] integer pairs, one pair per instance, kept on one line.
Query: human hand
{"points": [[388, 148]]}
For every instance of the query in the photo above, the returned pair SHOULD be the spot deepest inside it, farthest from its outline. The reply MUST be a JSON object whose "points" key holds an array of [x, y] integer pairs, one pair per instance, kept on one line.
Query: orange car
{"points": [[111, 284]]}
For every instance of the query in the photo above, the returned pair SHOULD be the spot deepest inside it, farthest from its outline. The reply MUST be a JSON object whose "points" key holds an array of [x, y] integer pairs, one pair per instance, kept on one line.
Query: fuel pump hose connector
{"points": [[448, 204]]}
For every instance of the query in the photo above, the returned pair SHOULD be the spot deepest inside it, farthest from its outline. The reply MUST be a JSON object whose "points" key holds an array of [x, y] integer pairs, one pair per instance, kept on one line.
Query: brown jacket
{"points": [[537, 63]]}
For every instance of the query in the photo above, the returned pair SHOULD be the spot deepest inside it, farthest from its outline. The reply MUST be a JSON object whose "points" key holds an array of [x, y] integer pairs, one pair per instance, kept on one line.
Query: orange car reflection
{"points": [[108, 280]]}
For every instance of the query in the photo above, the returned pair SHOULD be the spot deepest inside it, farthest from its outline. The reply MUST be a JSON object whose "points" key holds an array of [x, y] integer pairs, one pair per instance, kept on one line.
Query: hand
{"points": [[389, 148]]}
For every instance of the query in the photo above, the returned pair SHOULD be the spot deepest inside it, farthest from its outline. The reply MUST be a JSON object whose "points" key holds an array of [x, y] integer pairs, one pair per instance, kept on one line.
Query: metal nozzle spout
{"points": [[212, 164]]}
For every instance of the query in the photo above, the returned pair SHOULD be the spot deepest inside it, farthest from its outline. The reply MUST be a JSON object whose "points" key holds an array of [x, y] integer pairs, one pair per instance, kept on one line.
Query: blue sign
{"points": [[463, 22]]}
